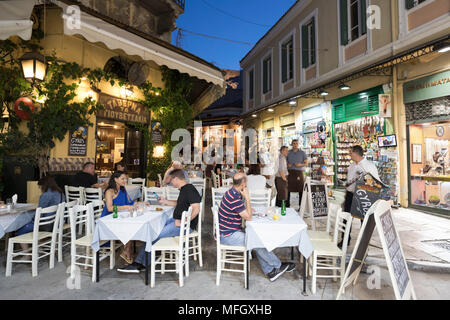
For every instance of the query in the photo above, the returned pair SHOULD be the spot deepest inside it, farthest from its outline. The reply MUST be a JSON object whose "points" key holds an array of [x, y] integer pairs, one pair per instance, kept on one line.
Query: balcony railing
{"points": [[180, 3]]}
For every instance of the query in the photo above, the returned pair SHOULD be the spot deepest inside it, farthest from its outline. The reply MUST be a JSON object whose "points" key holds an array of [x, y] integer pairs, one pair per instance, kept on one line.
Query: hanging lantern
{"points": [[21, 113], [34, 66]]}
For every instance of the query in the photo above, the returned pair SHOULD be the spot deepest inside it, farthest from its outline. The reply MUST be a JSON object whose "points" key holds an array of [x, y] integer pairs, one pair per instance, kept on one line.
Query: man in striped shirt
{"points": [[234, 207]]}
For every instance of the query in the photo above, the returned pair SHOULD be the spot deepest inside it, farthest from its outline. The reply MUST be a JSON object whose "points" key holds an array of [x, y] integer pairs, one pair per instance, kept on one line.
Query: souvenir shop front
{"points": [[359, 119], [318, 143], [427, 106]]}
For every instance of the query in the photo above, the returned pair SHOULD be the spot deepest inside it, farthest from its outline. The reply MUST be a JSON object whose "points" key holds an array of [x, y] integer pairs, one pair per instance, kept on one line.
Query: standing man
{"points": [[234, 207], [296, 162], [359, 167], [281, 177]]}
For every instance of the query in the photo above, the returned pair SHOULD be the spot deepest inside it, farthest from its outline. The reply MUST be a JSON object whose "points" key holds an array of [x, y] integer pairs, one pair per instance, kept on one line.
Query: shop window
{"points": [[430, 165], [287, 60], [251, 84], [353, 19], [413, 3], [309, 44], [267, 74]]}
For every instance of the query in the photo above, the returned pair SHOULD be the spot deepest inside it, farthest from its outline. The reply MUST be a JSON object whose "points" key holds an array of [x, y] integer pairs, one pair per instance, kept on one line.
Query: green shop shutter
{"points": [[313, 41], [265, 76], [338, 113], [363, 16], [409, 4], [283, 63], [344, 22], [305, 49]]}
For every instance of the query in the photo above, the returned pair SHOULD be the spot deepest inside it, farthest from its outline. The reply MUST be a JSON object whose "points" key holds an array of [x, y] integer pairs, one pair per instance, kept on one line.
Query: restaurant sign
{"points": [[78, 142], [431, 87], [122, 109]]}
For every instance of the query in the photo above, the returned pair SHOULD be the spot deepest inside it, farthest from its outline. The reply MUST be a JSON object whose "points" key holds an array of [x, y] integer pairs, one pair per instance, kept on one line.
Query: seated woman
{"points": [[116, 194], [255, 179], [52, 195]]}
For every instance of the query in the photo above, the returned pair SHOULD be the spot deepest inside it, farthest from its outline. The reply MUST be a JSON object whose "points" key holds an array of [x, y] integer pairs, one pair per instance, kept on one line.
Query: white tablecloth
{"points": [[146, 227], [289, 231], [15, 219]]}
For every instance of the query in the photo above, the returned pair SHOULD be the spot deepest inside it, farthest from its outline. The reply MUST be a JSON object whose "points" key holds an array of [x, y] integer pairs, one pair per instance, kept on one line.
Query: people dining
{"points": [[87, 177], [234, 207], [256, 181], [176, 165], [116, 194], [188, 197], [52, 195]]}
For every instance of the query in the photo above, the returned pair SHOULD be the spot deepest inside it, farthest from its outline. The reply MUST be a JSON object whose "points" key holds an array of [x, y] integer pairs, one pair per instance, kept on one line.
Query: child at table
{"points": [[116, 194]]}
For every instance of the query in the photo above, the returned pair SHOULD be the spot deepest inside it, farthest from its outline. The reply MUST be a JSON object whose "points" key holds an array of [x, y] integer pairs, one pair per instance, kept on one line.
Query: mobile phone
{"points": [[157, 196]]}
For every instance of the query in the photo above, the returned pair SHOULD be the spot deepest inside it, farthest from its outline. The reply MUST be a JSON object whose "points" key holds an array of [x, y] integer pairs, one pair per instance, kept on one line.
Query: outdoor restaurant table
{"points": [[146, 227], [16, 218], [289, 231]]}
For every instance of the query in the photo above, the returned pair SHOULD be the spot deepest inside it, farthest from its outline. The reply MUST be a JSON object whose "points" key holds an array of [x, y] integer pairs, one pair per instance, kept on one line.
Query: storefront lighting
{"points": [[323, 93], [34, 66], [158, 152], [292, 103], [126, 92], [270, 110], [442, 47], [344, 87], [254, 116]]}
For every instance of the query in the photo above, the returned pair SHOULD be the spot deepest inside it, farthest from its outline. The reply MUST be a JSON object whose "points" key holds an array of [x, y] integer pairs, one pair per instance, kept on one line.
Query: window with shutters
{"points": [[251, 84], [353, 19], [413, 3], [287, 60], [309, 43], [267, 74]]}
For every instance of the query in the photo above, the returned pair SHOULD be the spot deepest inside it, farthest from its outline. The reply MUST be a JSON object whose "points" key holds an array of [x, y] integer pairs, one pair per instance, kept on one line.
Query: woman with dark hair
{"points": [[116, 194], [52, 195]]}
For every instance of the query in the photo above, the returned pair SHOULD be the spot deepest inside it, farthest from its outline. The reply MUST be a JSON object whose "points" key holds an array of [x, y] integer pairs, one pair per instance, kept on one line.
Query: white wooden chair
{"points": [[43, 243], [173, 245], [200, 185], [172, 193], [64, 237], [327, 235], [84, 215], [227, 182], [97, 210], [231, 255], [217, 195], [195, 241], [138, 182], [149, 194], [74, 193], [223, 175], [160, 180], [91, 194], [260, 198], [215, 180], [326, 253]]}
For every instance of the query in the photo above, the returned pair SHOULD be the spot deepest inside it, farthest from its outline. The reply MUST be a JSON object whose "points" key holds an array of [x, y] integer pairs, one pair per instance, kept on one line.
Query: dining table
{"points": [[263, 231], [15, 218], [146, 227]]}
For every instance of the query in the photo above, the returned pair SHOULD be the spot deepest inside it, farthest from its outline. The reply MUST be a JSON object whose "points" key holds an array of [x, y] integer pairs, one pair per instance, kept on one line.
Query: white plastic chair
{"points": [[74, 193], [172, 193], [327, 235], [326, 253], [91, 194], [260, 198], [43, 243], [64, 228], [232, 255], [83, 215], [173, 245], [149, 194]]}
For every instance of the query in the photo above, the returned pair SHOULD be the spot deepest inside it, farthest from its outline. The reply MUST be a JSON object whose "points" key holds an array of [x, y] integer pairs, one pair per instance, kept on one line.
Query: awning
{"points": [[15, 18], [95, 29]]}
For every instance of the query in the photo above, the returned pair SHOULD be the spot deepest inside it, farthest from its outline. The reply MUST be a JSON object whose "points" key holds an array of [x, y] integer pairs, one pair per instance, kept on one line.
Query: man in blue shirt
{"points": [[236, 206], [297, 161]]}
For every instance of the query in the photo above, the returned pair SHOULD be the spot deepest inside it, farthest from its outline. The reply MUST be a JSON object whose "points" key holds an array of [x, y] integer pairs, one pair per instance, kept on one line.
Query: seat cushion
{"points": [[28, 237], [326, 248], [319, 235]]}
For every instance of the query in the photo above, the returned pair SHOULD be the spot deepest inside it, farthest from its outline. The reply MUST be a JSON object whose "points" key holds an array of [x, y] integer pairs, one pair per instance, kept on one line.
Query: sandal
{"points": [[124, 257]]}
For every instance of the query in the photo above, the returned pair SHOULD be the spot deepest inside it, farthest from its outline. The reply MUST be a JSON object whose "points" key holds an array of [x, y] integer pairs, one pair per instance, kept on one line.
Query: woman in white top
{"points": [[255, 180]]}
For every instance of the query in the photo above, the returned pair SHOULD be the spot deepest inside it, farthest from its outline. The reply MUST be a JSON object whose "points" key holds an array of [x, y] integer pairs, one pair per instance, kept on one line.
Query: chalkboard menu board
{"points": [[78, 142], [156, 132], [319, 200], [395, 253], [363, 244], [367, 192]]}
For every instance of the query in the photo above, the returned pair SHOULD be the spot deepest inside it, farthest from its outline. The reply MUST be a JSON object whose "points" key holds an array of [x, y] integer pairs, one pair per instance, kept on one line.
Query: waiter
{"points": [[297, 161]]}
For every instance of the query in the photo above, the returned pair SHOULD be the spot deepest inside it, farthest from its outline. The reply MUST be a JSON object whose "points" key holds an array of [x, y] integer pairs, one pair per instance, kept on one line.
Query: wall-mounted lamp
{"points": [[344, 87], [323, 93], [34, 66]]}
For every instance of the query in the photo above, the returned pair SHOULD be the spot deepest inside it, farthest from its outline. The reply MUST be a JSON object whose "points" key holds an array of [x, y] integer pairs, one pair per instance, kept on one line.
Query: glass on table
{"points": [[8, 204]]}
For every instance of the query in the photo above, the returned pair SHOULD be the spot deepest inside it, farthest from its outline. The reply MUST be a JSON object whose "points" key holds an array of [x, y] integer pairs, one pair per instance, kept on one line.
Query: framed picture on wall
{"points": [[416, 153], [103, 147]]}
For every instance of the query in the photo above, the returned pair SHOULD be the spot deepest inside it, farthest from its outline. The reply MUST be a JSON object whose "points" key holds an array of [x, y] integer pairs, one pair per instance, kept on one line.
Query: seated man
{"points": [[188, 197], [87, 178], [234, 207], [176, 165]]}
